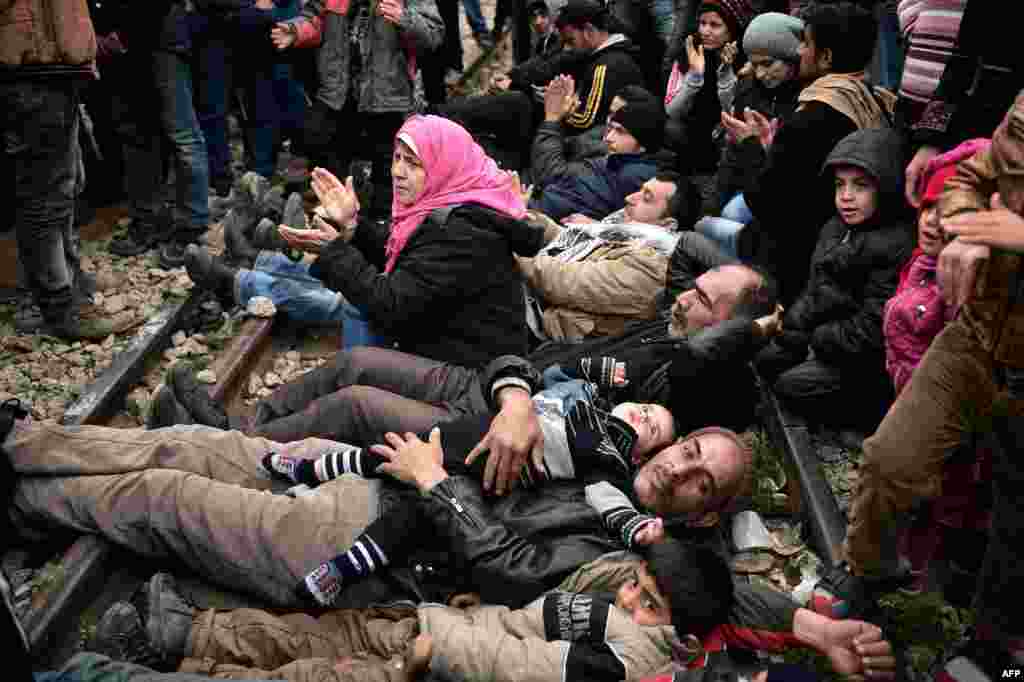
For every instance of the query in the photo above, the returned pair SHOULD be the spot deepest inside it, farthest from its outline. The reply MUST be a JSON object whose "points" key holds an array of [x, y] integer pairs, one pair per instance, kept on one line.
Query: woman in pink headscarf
{"points": [[441, 281]]}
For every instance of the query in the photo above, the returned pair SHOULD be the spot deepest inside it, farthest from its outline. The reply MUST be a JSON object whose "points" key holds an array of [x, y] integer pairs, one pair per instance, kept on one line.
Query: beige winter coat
{"points": [[562, 635], [598, 296]]}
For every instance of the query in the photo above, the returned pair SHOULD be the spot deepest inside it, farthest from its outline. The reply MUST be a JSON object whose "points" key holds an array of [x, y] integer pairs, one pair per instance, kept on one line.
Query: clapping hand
{"points": [[695, 56], [560, 98], [311, 240], [338, 200], [729, 53]]}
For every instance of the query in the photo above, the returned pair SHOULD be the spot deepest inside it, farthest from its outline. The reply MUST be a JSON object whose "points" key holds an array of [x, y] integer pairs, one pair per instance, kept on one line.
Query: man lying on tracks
{"points": [[195, 493]]}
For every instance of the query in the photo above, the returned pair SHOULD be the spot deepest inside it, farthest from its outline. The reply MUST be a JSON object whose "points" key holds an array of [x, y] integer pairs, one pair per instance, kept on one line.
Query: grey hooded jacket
{"points": [[385, 83]]}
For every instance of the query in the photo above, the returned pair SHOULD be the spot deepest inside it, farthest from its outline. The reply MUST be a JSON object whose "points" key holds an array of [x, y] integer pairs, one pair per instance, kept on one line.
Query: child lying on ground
{"points": [[617, 618]]}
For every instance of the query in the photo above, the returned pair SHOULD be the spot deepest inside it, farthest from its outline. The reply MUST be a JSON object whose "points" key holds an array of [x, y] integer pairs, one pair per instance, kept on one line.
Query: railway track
{"points": [[92, 573]]}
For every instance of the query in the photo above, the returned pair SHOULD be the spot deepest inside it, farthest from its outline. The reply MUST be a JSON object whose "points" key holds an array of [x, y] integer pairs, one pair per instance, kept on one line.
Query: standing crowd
{"points": [[558, 299]]}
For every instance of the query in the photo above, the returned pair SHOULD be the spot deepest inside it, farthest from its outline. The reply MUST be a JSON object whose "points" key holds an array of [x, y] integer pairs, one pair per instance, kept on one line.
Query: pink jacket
{"points": [[913, 317]]}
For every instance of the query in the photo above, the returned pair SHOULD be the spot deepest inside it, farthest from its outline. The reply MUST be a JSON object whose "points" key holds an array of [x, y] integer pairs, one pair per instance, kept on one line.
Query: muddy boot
{"points": [[74, 323], [211, 274], [195, 398]]}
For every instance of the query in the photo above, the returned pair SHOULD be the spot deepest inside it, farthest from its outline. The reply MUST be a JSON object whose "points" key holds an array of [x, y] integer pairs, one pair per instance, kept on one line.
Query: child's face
{"points": [[856, 195], [640, 597], [929, 230], [653, 424]]}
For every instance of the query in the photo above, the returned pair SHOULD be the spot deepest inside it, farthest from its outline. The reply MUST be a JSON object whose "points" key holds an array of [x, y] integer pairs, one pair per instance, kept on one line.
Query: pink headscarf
{"points": [[458, 171]]}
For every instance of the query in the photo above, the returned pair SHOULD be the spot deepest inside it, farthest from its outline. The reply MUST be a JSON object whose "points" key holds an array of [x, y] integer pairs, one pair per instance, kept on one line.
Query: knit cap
{"points": [[774, 34], [645, 120], [943, 166], [735, 13]]}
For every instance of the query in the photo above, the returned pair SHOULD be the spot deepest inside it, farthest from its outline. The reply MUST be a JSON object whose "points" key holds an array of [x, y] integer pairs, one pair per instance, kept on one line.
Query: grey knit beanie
{"points": [[775, 34]]}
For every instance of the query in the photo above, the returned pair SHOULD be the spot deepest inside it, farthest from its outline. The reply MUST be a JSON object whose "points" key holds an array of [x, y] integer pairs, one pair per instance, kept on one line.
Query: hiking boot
{"points": [[172, 254], [169, 616], [194, 397], [841, 594], [238, 249], [165, 410], [69, 323], [121, 636], [211, 274], [142, 235], [272, 205], [266, 236]]}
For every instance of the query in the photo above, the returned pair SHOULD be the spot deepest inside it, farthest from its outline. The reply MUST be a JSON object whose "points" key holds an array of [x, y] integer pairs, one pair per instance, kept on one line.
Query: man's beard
{"points": [[677, 323]]}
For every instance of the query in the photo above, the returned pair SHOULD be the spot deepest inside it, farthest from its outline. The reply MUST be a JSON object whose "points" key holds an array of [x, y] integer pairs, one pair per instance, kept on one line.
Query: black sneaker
{"points": [[165, 410], [238, 249], [195, 398], [121, 636], [169, 617]]}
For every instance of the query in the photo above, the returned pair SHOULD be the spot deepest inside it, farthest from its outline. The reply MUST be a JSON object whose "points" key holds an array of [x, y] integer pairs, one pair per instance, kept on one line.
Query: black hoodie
{"points": [[455, 293], [854, 270]]}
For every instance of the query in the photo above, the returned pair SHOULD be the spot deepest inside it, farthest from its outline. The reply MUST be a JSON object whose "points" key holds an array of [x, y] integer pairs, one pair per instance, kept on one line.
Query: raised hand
{"points": [[339, 200], [391, 10], [695, 56], [282, 35]]}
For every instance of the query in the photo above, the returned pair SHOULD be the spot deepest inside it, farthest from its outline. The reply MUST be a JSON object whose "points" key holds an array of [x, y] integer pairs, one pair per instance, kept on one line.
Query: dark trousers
{"points": [[41, 154], [213, 87], [1002, 569], [333, 139], [163, 112], [854, 396], [503, 124], [275, 109], [450, 53], [366, 392]]}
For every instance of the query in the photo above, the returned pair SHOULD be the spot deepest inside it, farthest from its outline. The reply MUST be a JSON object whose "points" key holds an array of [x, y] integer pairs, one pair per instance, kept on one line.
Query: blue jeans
{"points": [[474, 16], [724, 232], [663, 16], [173, 78], [213, 87], [736, 209], [304, 298], [39, 146], [889, 50]]}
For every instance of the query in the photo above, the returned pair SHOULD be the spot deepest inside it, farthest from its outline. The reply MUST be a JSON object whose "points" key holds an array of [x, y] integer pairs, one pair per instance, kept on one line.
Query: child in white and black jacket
{"points": [[585, 439]]}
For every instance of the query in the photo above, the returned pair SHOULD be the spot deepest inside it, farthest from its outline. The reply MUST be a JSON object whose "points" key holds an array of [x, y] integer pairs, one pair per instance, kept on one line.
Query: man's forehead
{"points": [[661, 189]]}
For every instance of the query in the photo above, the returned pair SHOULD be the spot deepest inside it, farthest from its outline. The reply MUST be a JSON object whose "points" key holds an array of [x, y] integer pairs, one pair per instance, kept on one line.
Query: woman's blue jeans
{"points": [[304, 298]]}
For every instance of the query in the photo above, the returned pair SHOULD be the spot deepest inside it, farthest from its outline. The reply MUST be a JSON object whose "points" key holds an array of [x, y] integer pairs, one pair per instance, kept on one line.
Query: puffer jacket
{"points": [[913, 317], [386, 80], [854, 270], [600, 189], [576, 634], [995, 314], [45, 38], [454, 294]]}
